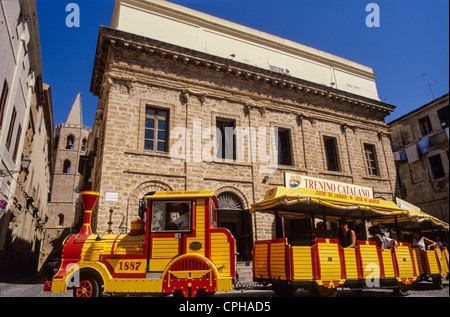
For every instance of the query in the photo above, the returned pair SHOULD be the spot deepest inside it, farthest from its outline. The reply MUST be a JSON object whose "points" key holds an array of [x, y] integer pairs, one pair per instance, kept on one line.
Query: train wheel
{"points": [[437, 282], [203, 293], [401, 290], [88, 287], [320, 291], [283, 290], [178, 293]]}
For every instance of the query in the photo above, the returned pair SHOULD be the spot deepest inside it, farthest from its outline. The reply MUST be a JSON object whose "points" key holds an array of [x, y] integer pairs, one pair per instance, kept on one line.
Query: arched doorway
{"points": [[232, 215], [136, 202]]}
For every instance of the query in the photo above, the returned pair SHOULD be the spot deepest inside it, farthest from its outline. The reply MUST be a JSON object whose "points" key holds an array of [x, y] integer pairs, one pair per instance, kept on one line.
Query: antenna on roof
{"points": [[428, 82]]}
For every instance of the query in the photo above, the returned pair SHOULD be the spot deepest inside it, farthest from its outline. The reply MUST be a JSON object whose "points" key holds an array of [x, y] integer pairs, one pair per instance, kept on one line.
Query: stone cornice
{"points": [[111, 38]]}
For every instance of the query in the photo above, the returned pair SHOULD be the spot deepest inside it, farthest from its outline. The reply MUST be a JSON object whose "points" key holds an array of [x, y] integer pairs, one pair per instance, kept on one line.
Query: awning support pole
{"points": [[364, 229], [313, 226], [397, 229], [279, 230], [324, 216]]}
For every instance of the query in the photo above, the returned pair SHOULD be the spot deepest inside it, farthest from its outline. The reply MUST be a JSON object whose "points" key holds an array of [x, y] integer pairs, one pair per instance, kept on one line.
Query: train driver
{"points": [[182, 221]]}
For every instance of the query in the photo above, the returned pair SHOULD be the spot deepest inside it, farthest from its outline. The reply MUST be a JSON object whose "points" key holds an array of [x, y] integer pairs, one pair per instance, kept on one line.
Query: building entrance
{"points": [[232, 216]]}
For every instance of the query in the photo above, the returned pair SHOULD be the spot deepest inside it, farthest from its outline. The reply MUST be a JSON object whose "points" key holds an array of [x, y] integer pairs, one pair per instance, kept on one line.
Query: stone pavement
{"points": [[33, 286]]}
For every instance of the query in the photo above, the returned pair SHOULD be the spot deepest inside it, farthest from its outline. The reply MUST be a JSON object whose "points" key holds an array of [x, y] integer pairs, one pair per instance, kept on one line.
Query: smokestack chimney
{"points": [[89, 199]]}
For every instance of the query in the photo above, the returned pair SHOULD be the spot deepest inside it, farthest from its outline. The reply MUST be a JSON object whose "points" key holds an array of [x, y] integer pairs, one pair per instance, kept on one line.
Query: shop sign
{"points": [[325, 185]]}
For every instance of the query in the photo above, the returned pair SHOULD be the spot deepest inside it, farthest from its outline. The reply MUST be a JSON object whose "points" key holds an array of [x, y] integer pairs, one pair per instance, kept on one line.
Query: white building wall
{"points": [[174, 24]]}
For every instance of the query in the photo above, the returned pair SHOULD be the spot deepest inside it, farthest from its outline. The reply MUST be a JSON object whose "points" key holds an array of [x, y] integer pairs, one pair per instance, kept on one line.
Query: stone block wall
{"points": [[196, 91]]}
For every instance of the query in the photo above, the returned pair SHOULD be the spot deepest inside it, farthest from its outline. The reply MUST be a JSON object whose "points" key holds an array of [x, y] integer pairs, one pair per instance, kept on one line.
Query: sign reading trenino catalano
{"points": [[326, 185]]}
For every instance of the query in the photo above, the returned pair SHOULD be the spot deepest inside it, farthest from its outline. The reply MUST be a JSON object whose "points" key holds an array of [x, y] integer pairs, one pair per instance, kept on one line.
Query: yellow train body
{"points": [[155, 256]]}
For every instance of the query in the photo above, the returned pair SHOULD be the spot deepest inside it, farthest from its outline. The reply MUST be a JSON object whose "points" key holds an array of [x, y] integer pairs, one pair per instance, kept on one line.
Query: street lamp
{"points": [[24, 167], [25, 163]]}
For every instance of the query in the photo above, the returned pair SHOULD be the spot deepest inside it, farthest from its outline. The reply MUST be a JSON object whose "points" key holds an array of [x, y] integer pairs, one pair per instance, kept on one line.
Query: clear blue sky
{"points": [[413, 39]]}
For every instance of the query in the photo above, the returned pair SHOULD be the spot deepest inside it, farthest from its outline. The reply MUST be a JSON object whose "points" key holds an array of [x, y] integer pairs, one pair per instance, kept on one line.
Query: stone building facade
{"points": [[173, 118], [64, 210], [420, 144]]}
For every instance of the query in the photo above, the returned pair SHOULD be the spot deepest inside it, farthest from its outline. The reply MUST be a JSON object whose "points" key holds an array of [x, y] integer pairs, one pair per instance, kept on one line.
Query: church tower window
{"points": [[66, 167], [70, 142]]}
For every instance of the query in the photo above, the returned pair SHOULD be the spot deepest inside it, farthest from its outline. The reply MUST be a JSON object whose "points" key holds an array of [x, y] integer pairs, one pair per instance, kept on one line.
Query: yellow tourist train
{"points": [[175, 247]]}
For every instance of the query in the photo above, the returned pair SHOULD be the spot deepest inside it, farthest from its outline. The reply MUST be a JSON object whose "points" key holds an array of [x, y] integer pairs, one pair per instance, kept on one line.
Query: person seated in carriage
{"points": [[347, 237]]}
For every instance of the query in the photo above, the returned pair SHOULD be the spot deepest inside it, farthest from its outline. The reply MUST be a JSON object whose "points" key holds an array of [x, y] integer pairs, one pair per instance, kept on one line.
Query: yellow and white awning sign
{"points": [[296, 181], [308, 201]]}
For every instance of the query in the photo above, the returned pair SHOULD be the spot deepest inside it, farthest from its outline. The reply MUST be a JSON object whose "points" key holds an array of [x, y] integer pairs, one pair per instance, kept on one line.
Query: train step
{"points": [[244, 272]]}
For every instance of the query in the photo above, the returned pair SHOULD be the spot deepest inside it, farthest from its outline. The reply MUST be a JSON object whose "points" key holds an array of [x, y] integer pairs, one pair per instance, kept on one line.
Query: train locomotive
{"points": [[156, 256]]}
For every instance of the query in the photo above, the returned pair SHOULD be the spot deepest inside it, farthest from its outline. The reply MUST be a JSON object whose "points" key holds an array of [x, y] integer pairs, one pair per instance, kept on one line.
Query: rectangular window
{"points": [[11, 129], [60, 220], [443, 117], [284, 147], [156, 130], [437, 169], [169, 216], [3, 99], [425, 125], [16, 146], [331, 153], [226, 139], [371, 159]]}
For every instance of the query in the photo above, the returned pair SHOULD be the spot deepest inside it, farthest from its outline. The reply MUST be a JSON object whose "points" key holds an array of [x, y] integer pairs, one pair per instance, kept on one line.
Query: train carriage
{"points": [[160, 254], [431, 263], [319, 263]]}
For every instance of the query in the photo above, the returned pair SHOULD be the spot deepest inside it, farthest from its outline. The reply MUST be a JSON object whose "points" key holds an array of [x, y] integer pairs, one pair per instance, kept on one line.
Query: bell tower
{"points": [[67, 183]]}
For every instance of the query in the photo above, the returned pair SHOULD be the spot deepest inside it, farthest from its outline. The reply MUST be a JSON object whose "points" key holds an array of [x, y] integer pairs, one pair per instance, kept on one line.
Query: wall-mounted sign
{"points": [[3, 204], [112, 196]]}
